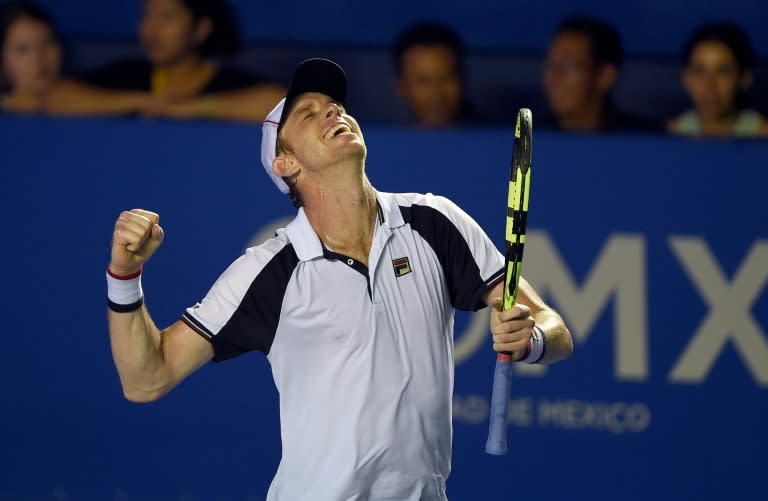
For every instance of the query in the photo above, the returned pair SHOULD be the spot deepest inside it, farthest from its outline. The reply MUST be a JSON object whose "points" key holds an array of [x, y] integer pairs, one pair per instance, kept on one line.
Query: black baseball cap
{"points": [[316, 75]]}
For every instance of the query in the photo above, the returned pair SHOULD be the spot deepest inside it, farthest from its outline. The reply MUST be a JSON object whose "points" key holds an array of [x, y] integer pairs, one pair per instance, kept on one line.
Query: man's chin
{"points": [[355, 150]]}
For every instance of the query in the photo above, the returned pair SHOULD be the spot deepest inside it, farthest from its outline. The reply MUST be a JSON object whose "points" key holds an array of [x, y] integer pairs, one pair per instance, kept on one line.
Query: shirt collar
{"points": [[307, 244], [389, 209], [305, 241]]}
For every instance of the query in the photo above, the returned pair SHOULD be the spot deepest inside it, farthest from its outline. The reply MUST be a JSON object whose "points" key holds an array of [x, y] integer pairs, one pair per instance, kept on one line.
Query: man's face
{"points": [[318, 132], [430, 84], [570, 78]]}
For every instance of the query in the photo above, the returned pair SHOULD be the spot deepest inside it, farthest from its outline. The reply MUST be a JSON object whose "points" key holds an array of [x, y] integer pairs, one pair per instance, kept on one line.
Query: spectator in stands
{"points": [[719, 62], [180, 38], [177, 83], [30, 60], [581, 69], [429, 68], [30, 70]]}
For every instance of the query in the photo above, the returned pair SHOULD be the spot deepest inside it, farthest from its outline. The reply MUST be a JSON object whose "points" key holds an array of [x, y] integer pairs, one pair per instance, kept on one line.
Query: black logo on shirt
{"points": [[402, 266]]}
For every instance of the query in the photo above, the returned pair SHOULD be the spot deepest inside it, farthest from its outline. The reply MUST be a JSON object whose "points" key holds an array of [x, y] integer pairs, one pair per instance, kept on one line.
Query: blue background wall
{"points": [[652, 26], [628, 236]]}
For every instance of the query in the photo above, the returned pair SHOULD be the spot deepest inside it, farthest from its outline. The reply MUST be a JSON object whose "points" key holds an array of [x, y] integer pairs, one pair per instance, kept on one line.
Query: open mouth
{"points": [[337, 130]]}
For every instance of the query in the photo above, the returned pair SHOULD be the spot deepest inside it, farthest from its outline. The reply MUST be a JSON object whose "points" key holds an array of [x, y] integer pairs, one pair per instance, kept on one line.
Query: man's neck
{"points": [[718, 126], [588, 119], [344, 217]]}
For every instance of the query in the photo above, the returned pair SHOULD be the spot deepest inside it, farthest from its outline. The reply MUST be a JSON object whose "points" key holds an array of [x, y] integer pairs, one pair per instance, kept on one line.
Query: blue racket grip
{"points": [[497, 431]]}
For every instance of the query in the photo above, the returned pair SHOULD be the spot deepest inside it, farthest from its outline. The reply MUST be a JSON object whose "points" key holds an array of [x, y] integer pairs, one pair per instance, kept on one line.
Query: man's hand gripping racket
{"points": [[517, 212]]}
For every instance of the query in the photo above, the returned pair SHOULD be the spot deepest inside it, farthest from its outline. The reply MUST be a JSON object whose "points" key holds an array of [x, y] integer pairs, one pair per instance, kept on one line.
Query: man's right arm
{"points": [[149, 361]]}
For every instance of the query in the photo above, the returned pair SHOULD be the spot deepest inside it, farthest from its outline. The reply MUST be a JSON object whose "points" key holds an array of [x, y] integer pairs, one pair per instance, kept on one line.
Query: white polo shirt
{"points": [[362, 356]]}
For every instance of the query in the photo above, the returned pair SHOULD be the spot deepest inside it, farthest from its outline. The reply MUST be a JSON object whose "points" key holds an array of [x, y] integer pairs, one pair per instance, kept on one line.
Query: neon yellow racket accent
{"points": [[517, 214], [517, 206]]}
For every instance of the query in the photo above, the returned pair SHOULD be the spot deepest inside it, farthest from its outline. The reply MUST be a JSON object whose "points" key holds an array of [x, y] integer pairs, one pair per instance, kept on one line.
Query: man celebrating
{"points": [[352, 303]]}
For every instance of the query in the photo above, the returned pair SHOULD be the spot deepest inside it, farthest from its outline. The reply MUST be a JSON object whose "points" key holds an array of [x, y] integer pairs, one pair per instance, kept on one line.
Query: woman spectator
{"points": [[717, 76], [180, 38], [30, 70]]}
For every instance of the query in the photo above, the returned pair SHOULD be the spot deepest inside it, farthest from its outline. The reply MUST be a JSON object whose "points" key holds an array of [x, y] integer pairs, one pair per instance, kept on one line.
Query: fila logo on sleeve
{"points": [[402, 266]]}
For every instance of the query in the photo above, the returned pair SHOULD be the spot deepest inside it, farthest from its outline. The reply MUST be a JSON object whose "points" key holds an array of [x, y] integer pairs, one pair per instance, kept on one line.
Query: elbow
{"points": [[140, 396], [563, 346], [568, 348], [137, 398]]}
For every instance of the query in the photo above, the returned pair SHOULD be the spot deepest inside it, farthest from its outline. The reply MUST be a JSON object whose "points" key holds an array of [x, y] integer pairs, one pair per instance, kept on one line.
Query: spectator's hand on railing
{"points": [[21, 103]]}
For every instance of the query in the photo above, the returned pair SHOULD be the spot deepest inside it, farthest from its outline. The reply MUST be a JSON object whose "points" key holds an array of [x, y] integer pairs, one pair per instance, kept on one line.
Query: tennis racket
{"points": [[517, 214]]}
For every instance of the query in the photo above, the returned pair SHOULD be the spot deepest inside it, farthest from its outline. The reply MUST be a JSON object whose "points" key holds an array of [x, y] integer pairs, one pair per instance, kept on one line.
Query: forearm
{"points": [[72, 98], [559, 344], [137, 350], [247, 105], [252, 104], [557, 338]]}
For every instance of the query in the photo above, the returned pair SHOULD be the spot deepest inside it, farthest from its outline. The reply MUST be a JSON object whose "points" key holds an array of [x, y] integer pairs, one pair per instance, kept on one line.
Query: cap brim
{"points": [[268, 142]]}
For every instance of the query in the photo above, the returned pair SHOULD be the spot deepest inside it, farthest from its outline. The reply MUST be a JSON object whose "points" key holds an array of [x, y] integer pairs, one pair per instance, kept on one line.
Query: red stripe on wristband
{"points": [[123, 277]]}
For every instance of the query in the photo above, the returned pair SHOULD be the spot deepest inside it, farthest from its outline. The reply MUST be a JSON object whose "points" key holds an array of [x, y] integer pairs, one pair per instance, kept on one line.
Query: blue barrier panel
{"points": [[655, 250], [486, 24]]}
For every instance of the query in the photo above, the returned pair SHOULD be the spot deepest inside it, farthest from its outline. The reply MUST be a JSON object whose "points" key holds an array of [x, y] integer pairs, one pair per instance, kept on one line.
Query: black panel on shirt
{"points": [[254, 324], [465, 285], [137, 75]]}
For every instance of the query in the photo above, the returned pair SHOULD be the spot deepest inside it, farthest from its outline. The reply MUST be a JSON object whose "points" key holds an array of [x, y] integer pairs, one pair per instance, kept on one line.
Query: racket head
{"points": [[517, 204], [521, 148]]}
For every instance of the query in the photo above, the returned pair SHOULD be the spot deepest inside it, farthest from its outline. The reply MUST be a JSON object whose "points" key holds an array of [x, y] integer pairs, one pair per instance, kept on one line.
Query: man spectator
{"points": [[582, 66], [429, 68]]}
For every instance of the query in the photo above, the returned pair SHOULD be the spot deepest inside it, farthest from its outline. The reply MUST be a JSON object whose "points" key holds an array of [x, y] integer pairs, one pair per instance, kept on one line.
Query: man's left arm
{"points": [[511, 329]]}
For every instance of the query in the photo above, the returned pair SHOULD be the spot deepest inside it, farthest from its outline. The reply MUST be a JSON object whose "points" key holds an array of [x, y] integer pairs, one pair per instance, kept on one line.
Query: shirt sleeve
{"points": [[471, 262], [241, 311]]}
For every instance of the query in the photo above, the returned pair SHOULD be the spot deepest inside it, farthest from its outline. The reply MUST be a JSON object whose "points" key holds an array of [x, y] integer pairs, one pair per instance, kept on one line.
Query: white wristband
{"points": [[538, 344], [124, 293]]}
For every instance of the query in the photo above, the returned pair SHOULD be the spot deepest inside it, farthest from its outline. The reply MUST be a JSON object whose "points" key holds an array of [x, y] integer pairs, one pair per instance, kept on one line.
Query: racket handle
{"points": [[497, 432]]}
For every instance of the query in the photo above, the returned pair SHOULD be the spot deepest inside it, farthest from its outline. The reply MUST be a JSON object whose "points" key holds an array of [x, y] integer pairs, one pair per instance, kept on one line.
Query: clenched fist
{"points": [[137, 236]]}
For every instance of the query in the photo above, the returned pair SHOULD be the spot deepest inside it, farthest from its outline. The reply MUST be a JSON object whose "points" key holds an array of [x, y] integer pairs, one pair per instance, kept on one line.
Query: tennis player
{"points": [[352, 303]]}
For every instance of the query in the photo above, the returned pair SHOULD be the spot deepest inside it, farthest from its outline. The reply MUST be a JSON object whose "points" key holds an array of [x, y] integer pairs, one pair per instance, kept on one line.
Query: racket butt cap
{"points": [[496, 448]]}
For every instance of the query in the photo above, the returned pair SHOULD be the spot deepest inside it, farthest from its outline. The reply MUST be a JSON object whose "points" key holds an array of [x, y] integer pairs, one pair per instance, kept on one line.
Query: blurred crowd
{"points": [[181, 74]]}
